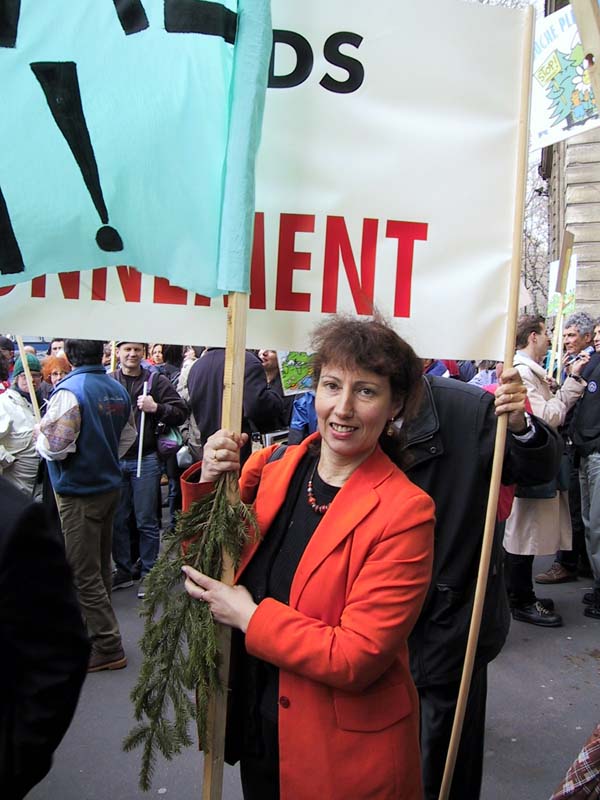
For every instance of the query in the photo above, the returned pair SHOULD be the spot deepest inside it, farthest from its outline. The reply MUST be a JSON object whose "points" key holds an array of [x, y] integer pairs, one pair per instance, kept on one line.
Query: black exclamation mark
{"points": [[9, 22], [132, 16], [60, 84], [11, 260]]}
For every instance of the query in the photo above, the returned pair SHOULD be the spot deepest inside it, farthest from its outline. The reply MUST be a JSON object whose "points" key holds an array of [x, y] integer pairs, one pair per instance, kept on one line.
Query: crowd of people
{"points": [[351, 613]]}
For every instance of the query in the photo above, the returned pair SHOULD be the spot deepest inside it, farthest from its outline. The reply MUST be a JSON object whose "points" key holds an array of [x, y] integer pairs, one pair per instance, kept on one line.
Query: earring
{"points": [[394, 425]]}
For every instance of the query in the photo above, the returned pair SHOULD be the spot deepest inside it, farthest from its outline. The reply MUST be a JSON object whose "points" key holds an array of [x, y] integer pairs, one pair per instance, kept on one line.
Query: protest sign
{"points": [[128, 136], [562, 99], [387, 177]]}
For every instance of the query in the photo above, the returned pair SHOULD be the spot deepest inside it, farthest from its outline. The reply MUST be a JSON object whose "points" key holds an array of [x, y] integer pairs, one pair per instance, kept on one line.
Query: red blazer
{"points": [[348, 709]]}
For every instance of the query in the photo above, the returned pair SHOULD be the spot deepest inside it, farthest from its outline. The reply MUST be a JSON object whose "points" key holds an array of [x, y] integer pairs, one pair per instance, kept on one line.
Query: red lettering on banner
{"points": [[69, 282], [99, 284], [131, 284], [338, 252], [258, 290], [289, 260], [165, 292], [406, 233], [337, 245]]}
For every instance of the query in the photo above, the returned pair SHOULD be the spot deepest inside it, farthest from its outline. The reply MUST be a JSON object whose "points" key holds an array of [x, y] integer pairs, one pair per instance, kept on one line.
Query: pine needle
{"points": [[179, 643]]}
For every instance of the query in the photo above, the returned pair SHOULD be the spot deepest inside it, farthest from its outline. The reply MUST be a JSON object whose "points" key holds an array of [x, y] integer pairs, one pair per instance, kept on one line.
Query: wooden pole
{"points": [[509, 349], [231, 419], [30, 387], [113, 356], [566, 251], [587, 17]]}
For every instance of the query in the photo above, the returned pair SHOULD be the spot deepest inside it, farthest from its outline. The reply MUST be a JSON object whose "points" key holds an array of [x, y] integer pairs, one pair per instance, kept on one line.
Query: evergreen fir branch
{"points": [[179, 643]]}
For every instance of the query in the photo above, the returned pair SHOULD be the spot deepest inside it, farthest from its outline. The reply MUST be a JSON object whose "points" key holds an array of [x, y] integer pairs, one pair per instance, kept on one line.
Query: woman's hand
{"points": [[221, 454], [229, 605], [510, 399]]}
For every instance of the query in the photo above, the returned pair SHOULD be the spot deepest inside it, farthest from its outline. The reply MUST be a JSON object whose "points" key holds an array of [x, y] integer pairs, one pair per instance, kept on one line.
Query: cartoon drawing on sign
{"points": [[566, 81], [296, 371]]}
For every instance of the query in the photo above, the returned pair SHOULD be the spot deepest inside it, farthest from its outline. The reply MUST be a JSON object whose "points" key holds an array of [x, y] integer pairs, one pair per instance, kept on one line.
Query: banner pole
{"points": [[501, 428], [566, 251], [32, 395], [231, 419]]}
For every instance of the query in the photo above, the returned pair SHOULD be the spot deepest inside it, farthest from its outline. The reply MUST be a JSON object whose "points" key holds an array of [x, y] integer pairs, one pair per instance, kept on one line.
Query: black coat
{"points": [[43, 643], [172, 409], [585, 424], [451, 444], [262, 407]]}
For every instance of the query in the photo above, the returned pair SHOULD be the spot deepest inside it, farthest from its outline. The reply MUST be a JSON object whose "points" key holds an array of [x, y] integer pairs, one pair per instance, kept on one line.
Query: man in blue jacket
{"points": [[84, 430]]}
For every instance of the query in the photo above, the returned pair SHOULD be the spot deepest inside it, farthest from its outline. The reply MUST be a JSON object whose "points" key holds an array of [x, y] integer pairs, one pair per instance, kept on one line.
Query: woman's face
{"points": [[57, 375], [157, 354], [353, 407], [36, 378]]}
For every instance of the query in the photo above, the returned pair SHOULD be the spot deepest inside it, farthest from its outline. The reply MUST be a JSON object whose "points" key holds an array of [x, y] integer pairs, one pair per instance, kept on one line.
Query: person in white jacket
{"points": [[539, 523], [19, 460]]}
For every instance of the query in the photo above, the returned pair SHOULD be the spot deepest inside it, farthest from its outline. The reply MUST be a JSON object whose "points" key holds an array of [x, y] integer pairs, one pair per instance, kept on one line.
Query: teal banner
{"points": [[128, 136]]}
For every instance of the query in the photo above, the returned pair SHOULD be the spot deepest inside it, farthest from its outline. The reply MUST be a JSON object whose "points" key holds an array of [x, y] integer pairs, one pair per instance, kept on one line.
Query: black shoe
{"points": [[121, 580], [588, 598], [537, 614], [136, 570], [547, 602], [592, 601], [592, 611]]}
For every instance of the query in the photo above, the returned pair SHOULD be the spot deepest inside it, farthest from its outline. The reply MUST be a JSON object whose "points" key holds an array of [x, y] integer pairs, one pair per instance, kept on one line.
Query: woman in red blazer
{"points": [[327, 599]]}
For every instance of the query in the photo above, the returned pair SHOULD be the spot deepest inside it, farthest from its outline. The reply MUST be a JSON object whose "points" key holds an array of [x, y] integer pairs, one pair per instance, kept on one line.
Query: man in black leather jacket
{"points": [[451, 443]]}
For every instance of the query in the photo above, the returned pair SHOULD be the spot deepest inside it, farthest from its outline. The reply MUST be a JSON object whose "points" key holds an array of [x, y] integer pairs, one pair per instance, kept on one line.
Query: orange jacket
{"points": [[348, 708]]}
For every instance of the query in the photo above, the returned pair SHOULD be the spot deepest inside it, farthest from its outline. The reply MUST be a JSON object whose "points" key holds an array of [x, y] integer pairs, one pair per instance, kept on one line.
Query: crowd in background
{"points": [[173, 391]]}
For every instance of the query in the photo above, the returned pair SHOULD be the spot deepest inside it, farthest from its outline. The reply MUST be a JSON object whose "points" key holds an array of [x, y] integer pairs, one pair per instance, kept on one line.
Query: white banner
{"points": [[387, 176]]}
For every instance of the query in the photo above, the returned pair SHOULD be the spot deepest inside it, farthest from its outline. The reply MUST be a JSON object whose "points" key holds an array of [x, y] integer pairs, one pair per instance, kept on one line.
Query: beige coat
{"points": [[541, 527]]}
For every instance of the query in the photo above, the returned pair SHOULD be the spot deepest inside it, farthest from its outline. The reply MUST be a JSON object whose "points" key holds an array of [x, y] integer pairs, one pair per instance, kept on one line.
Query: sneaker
{"points": [[100, 661], [556, 574], [588, 599], [537, 614], [141, 593], [121, 580]]}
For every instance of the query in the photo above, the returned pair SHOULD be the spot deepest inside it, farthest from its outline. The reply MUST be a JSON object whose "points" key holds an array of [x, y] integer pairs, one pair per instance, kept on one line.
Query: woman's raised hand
{"points": [[221, 454]]}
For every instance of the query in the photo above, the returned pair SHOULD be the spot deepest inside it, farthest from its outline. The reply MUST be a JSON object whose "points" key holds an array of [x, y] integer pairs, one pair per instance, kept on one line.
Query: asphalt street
{"points": [[543, 703]]}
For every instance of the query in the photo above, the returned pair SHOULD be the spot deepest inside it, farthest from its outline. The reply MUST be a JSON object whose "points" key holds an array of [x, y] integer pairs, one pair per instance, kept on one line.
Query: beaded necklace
{"points": [[318, 509]]}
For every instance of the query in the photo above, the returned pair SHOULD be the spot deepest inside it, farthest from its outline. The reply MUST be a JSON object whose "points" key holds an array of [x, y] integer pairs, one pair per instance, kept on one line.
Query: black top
{"points": [[272, 570]]}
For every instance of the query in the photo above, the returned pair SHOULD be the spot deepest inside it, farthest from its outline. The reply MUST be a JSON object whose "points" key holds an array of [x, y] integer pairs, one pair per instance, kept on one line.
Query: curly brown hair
{"points": [[372, 345]]}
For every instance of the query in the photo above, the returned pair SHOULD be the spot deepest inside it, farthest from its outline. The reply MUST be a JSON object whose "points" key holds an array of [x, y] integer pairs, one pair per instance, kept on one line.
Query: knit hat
{"points": [[34, 365]]}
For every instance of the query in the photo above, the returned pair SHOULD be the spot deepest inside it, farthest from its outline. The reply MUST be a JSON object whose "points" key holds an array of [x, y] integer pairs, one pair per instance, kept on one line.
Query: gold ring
{"points": [[215, 456]]}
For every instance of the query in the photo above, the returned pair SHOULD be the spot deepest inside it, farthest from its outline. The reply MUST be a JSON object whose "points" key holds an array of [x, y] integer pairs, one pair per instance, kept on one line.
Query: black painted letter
{"points": [[304, 60]]}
